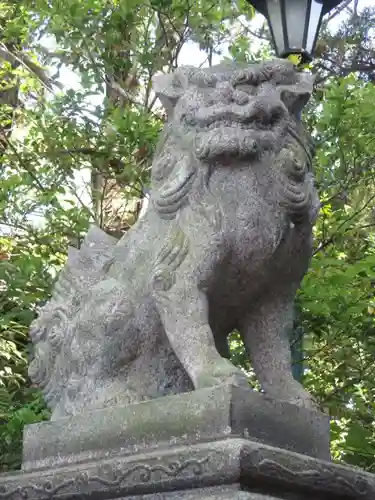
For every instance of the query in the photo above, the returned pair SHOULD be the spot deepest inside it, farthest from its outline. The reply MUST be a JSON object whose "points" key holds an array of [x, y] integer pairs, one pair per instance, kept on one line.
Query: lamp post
{"points": [[294, 24]]}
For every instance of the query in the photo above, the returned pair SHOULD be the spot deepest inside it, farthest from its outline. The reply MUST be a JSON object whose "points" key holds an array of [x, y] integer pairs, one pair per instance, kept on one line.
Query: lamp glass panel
{"points": [[315, 13], [296, 12], [275, 21]]}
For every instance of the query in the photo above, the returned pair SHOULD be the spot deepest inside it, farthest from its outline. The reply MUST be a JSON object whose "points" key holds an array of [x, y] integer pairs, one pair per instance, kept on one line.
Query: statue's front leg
{"points": [[265, 334], [184, 313]]}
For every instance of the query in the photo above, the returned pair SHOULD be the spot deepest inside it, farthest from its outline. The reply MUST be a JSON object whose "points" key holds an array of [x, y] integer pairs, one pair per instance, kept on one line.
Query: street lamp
{"points": [[294, 24]]}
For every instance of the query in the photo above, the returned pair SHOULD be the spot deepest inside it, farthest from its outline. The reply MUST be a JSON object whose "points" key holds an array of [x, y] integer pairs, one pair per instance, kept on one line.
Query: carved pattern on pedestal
{"points": [[112, 479], [234, 461], [308, 473]]}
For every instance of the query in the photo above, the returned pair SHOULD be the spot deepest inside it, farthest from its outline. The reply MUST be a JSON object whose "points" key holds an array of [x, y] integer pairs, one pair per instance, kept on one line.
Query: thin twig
{"points": [[332, 238]]}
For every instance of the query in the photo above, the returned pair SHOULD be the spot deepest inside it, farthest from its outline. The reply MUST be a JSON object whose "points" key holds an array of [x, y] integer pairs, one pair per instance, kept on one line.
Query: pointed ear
{"points": [[168, 88], [295, 96]]}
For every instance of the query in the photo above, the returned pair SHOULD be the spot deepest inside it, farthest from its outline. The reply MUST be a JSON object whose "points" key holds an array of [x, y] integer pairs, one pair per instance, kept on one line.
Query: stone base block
{"points": [[200, 416], [228, 469], [222, 443]]}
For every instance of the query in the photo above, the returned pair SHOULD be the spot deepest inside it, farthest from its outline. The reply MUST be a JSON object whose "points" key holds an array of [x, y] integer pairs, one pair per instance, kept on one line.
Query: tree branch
{"points": [[31, 66]]}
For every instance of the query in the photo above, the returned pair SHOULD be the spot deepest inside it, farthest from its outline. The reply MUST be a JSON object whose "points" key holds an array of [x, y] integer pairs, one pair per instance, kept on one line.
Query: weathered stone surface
{"points": [[188, 418], [239, 467], [216, 493], [224, 244]]}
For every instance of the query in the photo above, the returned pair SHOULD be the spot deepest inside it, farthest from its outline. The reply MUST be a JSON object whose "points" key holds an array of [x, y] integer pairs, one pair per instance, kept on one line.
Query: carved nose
{"points": [[232, 95]]}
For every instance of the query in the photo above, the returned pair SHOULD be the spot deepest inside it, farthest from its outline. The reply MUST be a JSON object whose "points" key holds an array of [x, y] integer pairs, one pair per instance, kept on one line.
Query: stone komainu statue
{"points": [[224, 245]]}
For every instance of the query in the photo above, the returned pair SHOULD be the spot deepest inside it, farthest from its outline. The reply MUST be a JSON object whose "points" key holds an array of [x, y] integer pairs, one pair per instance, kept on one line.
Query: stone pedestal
{"points": [[222, 443], [184, 419]]}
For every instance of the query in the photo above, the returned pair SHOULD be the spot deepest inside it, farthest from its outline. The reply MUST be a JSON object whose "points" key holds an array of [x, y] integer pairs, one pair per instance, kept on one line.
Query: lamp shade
{"points": [[294, 24]]}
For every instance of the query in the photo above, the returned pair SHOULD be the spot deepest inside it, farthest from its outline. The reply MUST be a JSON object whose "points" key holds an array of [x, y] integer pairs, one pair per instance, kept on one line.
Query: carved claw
{"points": [[222, 372], [300, 397], [306, 401]]}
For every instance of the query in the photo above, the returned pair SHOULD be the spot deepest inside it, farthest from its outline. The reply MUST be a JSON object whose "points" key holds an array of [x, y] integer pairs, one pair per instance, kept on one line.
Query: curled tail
{"points": [[52, 332]]}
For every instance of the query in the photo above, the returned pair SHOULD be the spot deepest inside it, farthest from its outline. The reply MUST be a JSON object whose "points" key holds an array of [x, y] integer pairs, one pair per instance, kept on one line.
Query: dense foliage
{"points": [[78, 126]]}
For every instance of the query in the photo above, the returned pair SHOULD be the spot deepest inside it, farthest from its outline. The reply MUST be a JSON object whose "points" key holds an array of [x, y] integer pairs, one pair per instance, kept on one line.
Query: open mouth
{"points": [[218, 142], [246, 119], [227, 123]]}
